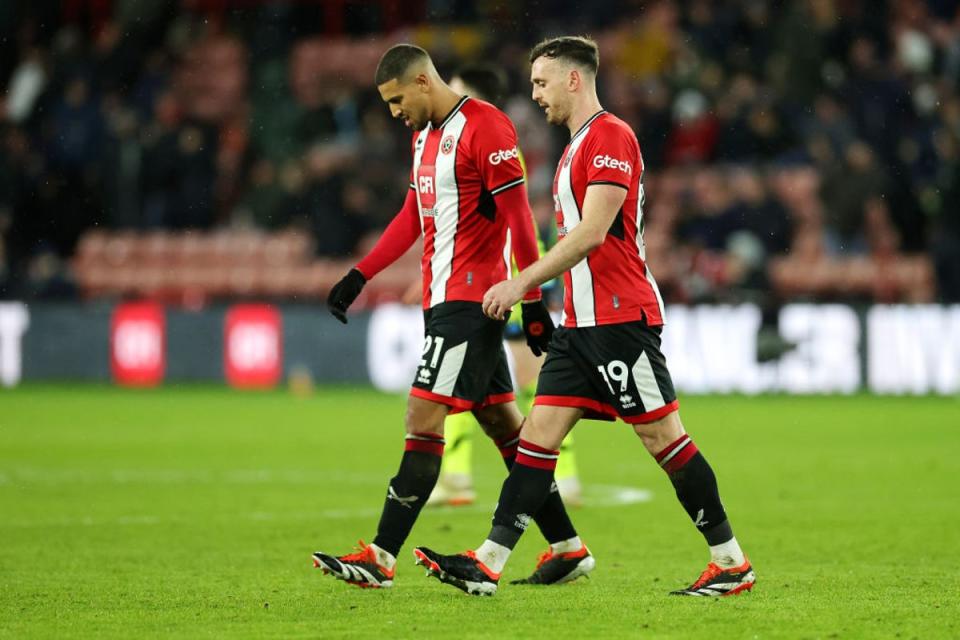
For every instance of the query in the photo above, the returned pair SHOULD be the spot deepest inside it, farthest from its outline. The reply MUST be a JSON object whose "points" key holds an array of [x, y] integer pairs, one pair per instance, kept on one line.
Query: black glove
{"points": [[537, 326], [344, 293]]}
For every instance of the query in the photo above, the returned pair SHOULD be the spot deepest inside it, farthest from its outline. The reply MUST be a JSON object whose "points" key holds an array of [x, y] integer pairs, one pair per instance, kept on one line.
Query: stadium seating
{"points": [[198, 267]]}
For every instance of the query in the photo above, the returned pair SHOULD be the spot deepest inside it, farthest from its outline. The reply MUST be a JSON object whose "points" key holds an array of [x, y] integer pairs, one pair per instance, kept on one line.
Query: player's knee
{"points": [[499, 420], [423, 416], [545, 433], [658, 434]]}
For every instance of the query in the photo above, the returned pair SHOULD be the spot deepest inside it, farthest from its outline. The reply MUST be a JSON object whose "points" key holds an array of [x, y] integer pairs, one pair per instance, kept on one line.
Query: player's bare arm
{"points": [[600, 207]]}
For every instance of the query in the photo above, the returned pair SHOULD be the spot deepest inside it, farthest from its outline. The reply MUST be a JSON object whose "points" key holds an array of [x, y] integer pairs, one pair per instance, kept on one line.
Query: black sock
{"points": [[524, 492], [696, 487], [552, 518], [409, 490]]}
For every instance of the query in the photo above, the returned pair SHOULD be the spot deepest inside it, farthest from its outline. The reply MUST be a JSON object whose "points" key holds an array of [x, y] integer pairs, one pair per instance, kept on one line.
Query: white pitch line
{"points": [[609, 496]]}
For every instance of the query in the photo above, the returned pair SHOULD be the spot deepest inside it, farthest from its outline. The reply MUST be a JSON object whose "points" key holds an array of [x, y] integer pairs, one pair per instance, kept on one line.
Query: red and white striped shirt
{"points": [[467, 198], [612, 284], [458, 168]]}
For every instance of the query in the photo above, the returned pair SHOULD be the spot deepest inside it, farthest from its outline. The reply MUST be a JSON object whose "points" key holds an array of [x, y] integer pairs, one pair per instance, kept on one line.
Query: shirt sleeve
{"points": [[497, 155], [612, 157], [520, 221]]}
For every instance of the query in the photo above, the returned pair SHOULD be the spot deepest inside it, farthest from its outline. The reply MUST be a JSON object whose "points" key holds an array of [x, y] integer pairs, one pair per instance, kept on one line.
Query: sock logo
{"points": [[406, 502], [700, 522], [523, 521]]}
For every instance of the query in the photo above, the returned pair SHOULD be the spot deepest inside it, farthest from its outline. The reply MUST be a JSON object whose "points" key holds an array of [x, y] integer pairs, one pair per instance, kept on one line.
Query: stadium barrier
{"points": [[801, 349]]}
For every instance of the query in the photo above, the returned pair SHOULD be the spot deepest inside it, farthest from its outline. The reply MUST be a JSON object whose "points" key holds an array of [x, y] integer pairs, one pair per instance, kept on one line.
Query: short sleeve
{"points": [[495, 150], [612, 157]]}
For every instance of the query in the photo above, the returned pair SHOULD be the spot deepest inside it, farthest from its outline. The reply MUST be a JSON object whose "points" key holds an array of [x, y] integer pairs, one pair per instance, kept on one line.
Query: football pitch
{"points": [[192, 512]]}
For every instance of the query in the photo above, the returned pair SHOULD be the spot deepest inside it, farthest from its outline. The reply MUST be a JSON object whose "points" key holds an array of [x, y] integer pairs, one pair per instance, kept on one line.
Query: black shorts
{"points": [[464, 365], [610, 371]]}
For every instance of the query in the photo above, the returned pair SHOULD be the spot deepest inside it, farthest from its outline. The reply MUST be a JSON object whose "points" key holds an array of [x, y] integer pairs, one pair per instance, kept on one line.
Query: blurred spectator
{"points": [[47, 278], [694, 134], [179, 177], [26, 85], [946, 230], [756, 213], [75, 128], [828, 130], [849, 184]]}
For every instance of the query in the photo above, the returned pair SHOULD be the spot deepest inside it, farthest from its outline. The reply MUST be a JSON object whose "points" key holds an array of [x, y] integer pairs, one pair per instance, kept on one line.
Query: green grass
{"points": [[192, 512]]}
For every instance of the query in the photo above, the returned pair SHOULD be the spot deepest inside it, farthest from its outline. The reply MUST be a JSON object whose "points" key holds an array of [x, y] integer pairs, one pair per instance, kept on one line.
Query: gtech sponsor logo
{"points": [[612, 163], [502, 155]]}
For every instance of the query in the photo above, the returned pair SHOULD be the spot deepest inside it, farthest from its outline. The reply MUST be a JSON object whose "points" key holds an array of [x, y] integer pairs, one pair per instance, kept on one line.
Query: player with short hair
{"points": [[455, 484], [466, 190], [605, 361]]}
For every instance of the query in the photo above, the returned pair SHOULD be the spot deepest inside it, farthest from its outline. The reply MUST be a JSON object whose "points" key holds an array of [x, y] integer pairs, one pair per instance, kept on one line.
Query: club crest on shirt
{"points": [[447, 145]]}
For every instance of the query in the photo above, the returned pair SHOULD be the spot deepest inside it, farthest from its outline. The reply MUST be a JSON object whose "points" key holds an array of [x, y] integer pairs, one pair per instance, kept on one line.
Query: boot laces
{"points": [[363, 554]]}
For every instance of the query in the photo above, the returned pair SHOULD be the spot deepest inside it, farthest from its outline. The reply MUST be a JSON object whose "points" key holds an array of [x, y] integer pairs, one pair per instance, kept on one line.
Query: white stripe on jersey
{"points": [[642, 248], [417, 157], [506, 256], [580, 276], [656, 292], [641, 245], [509, 185], [447, 216]]}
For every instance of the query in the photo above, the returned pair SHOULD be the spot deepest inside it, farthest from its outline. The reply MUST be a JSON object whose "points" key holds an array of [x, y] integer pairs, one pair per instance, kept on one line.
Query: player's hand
{"points": [[500, 298], [344, 293], [537, 326]]}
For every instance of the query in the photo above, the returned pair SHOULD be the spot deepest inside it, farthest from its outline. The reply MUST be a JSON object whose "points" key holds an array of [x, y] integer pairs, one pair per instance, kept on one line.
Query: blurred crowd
{"points": [[804, 149]]}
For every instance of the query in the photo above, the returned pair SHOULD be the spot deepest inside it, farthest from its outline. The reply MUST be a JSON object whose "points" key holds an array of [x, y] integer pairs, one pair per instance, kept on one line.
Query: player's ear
{"points": [[574, 79], [423, 82]]}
